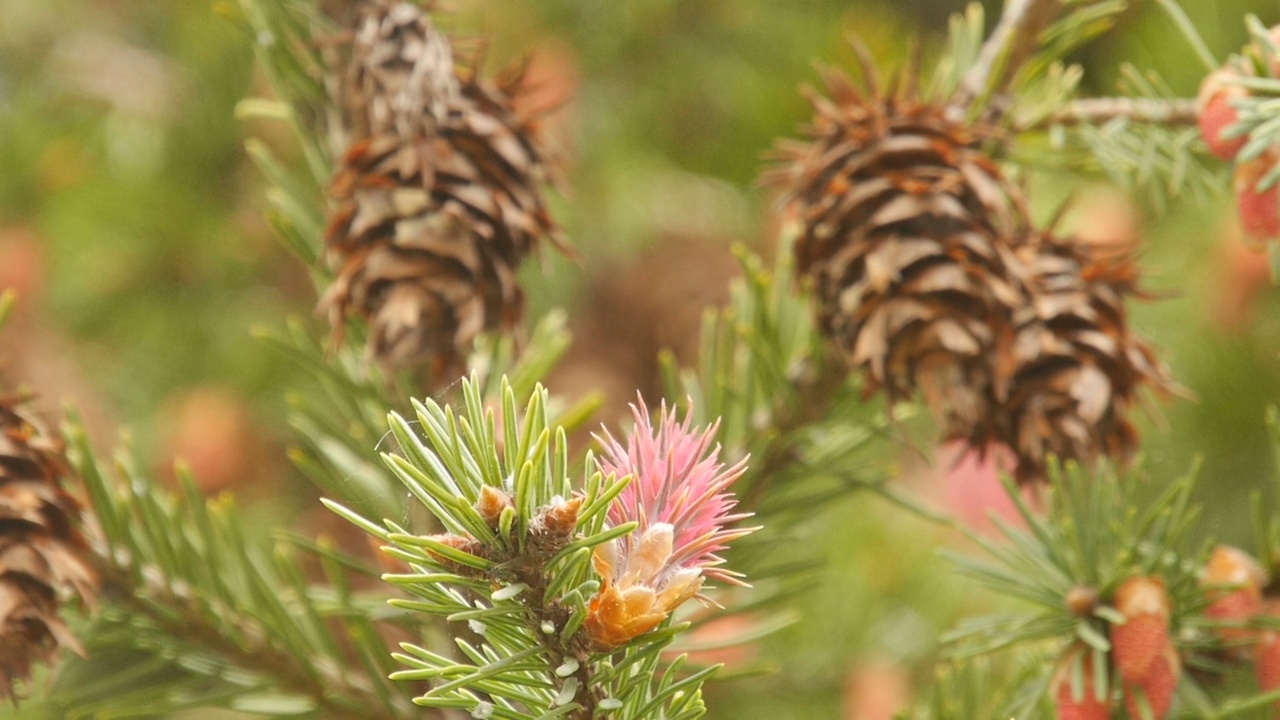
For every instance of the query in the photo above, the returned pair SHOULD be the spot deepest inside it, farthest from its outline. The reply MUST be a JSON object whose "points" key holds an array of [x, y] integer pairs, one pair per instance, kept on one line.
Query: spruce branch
{"points": [[1146, 140], [185, 577], [1109, 584]]}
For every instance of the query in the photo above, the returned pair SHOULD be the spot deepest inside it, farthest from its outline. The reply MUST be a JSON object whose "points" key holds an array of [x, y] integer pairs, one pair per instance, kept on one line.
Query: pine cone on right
{"points": [[905, 231], [929, 278], [1073, 368]]}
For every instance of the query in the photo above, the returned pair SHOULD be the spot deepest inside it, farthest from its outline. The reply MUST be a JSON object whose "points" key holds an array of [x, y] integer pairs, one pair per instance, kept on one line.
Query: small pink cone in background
{"points": [[1087, 706], [876, 690], [1234, 582], [211, 431], [1243, 278], [971, 484], [21, 263], [1266, 659]]}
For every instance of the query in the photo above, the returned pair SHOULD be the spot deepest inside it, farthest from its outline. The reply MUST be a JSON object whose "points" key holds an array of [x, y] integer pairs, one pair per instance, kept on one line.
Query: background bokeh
{"points": [[131, 223]]}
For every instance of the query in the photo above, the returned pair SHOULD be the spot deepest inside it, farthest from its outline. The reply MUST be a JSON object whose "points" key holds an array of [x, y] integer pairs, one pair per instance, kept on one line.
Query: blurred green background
{"points": [[131, 223]]}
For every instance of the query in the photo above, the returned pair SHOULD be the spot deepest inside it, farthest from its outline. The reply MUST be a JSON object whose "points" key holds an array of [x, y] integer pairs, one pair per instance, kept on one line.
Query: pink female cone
{"points": [[679, 501], [1142, 648]]}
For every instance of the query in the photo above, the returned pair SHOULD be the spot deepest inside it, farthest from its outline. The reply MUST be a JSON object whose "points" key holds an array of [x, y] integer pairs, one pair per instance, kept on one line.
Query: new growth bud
{"points": [[1233, 582], [490, 505], [1082, 699], [1259, 209], [1266, 656], [553, 528], [678, 499], [1217, 113], [1142, 648], [462, 543]]}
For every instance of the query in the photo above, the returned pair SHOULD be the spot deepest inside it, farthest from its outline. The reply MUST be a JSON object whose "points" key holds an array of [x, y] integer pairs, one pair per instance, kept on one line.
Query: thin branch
{"points": [[1095, 111], [1014, 39]]}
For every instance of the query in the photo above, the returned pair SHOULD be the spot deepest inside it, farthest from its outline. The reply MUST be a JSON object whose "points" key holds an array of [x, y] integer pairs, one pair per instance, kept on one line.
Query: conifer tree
{"points": [[518, 569]]}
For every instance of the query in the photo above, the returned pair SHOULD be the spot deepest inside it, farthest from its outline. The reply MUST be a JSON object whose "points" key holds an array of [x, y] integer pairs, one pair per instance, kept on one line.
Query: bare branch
{"points": [[1094, 111]]}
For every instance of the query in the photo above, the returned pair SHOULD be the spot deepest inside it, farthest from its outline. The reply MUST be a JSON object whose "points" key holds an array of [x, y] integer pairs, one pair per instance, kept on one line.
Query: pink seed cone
{"points": [[1087, 706], [1266, 658], [1158, 686], [1217, 113], [1259, 211]]}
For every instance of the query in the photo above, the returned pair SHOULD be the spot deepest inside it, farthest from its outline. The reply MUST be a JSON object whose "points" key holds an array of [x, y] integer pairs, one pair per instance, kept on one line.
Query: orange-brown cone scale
{"points": [[43, 555]]}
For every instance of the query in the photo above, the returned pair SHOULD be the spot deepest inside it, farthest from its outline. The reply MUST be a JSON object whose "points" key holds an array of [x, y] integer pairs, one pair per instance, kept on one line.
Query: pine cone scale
{"points": [[42, 553]]}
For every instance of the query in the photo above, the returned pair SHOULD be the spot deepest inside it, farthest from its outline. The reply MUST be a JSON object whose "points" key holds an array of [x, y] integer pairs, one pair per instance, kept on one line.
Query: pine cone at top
{"points": [[905, 233], [1073, 368], [438, 197], [43, 556]]}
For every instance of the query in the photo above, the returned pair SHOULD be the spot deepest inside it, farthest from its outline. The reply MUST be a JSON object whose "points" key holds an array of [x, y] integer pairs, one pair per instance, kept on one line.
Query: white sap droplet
{"points": [[483, 710], [477, 627], [548, 628], [509, 592], [567, 692], [569, 667], [610, 704]]}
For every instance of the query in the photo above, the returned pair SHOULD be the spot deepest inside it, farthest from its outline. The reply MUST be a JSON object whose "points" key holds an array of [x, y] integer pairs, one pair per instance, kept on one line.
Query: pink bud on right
{"points": [[1259, 210], [1234, 583], [1217, 113]]}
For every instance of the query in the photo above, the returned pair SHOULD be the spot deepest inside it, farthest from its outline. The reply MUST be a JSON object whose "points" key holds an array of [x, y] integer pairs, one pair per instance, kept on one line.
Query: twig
{"points": [[1094, 111], [1011, 43]]}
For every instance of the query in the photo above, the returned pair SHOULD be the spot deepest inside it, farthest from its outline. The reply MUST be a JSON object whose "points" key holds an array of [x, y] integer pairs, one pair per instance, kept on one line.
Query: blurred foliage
{"points": [[120, 156]]}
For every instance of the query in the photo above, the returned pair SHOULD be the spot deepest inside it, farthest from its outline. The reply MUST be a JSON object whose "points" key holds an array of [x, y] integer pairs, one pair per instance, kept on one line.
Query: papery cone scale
{"points": [[44, 558], [1074, 365]]}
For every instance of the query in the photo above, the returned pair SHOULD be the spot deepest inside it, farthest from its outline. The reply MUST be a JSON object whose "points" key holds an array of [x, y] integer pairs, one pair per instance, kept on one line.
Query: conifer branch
{"points": [[1095, 111], [552, 578], [185, 572]]}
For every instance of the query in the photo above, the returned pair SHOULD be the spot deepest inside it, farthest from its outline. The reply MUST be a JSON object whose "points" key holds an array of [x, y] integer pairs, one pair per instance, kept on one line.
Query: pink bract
{"points": [[678, 480]]}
